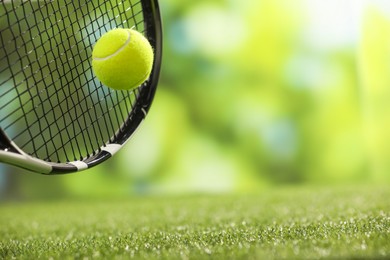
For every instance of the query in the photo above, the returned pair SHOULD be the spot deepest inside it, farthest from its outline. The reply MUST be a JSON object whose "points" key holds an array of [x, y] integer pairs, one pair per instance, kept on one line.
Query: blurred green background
{"points": [[253, 94]]}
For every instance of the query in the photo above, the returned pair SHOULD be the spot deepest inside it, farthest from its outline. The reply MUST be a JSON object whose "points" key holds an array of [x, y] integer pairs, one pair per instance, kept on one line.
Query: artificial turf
{"points": [[291, 223]]}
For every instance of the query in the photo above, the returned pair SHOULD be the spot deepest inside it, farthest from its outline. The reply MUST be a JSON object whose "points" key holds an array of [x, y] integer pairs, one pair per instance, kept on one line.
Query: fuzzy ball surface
{"points": [[122, 59]]}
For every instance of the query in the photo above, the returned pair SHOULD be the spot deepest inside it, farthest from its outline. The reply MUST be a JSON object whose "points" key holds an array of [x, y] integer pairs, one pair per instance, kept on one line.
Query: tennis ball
{"points": [[122, 59]]}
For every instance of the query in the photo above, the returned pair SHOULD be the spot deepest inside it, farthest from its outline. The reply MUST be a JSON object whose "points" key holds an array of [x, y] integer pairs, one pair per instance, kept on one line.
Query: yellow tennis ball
{"points": [[122, 59]]}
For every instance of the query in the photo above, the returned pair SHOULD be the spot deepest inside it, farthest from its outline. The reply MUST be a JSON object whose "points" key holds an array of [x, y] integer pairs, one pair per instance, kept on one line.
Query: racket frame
{"points": [[10, 153]]}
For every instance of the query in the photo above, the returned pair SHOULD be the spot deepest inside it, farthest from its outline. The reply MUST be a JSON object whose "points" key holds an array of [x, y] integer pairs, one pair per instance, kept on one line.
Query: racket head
{"points": [[55, 116]]}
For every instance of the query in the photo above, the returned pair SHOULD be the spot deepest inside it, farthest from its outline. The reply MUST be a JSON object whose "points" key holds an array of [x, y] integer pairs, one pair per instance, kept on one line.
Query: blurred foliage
{"points": [[252, 94]]}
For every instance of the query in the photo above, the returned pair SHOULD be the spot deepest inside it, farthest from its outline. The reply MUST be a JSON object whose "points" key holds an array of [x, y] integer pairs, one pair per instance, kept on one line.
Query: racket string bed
{"points": [[51, 105]]}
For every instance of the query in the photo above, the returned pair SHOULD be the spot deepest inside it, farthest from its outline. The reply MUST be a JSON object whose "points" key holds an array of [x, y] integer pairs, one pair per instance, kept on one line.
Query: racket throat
{"points": [[5, 143], [11, 154]]}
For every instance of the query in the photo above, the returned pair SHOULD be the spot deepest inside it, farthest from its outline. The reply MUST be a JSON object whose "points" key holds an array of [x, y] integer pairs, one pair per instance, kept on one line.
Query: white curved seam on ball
{"points": [[117, 51]]}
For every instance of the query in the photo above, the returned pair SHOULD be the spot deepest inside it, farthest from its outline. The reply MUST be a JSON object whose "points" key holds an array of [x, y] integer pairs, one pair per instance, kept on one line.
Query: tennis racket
{"points": [[55, 115]]}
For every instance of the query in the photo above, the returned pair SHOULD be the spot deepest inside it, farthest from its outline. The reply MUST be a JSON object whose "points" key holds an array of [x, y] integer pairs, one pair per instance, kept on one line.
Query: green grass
{"points": [[301, 223]]}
